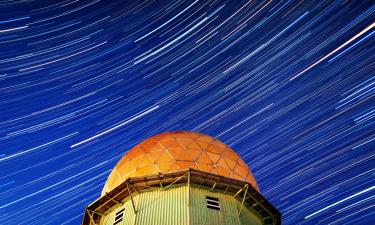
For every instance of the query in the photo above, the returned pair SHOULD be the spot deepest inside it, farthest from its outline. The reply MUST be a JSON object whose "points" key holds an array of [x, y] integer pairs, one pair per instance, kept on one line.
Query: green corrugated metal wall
{"points": [[163, 207], [171, 207], [128, 218], [228, 215]]}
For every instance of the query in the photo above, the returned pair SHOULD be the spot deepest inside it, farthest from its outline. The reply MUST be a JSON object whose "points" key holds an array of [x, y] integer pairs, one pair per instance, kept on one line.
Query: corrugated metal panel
{"points": [[228, 214], [170, 207], [247, 217], [128, 215], [200, 214], [167, 207]]}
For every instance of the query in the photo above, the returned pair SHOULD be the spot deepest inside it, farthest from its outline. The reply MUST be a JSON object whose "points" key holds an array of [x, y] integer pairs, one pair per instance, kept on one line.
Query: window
{"points": [[212, 203], [118, 217]]}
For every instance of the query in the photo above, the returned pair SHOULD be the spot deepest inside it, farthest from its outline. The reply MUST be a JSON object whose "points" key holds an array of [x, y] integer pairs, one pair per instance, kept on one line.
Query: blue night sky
{"points": [[289, 85]]}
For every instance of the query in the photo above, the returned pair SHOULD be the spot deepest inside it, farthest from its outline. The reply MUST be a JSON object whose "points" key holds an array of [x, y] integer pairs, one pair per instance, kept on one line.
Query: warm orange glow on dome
{"points": [[179, 150]]}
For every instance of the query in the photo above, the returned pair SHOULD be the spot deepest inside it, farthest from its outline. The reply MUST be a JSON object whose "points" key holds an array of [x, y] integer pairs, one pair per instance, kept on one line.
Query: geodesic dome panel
{"points": [[179, 150]]}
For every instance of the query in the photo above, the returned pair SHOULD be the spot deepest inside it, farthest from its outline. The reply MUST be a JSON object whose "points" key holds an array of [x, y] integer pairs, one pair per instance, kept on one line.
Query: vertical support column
{"points": [[188, 199], [132, 201], [188, 193]]}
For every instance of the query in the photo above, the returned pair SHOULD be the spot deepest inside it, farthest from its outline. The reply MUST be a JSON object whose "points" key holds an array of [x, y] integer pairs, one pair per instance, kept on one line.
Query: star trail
{"points": [[289, 85]]}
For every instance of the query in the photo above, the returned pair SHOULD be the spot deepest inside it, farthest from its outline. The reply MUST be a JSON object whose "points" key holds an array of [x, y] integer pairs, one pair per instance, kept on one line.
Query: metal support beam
{"points": [[259, 203], [266, 218], [179, 178], [115, 201], [247, 194], [96, 213], [213, 187], [243, 199], [239, 191], [188, 198], [131, 198], [274, 220], [131, 186], [109, 199], [226, 189], [161, 184], [188, 193], [200, 183], [91, 218]]}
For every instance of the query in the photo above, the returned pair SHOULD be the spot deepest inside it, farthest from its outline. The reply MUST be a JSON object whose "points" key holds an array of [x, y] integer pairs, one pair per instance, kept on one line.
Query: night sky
{"points": [[289, 85]]}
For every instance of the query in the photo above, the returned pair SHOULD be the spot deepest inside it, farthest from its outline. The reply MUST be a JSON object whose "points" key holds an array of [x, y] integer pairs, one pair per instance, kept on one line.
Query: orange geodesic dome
{"points": [[179, 150]]}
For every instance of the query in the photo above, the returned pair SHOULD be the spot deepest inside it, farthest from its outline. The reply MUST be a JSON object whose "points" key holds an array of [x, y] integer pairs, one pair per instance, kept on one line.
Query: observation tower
{"points": [[181, 178]]}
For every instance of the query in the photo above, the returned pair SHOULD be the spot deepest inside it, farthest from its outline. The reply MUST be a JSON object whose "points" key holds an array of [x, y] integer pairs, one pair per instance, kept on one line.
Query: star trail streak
{"points": [[289, 85]]}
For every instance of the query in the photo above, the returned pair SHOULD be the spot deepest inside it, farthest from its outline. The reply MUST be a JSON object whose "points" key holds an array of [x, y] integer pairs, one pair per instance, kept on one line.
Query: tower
{"points": [[181, 178]]}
